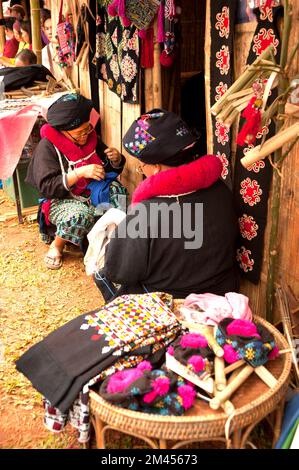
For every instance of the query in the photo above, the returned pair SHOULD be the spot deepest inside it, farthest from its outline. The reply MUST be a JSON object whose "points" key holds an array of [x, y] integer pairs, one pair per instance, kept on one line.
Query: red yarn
{"points": [[230, 355], [188, 394], [197, 362], [125, 21], [170, 350], [147, 49], [193, 340], [142, 33], [161, 34], [253, 116], [242, 328], [166, 59]]}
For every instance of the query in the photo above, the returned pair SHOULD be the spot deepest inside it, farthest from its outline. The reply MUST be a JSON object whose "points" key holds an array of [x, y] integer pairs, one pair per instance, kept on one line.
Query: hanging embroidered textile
{"points": [[66, 40], [251, 186], [117, 55], [220, 73]]}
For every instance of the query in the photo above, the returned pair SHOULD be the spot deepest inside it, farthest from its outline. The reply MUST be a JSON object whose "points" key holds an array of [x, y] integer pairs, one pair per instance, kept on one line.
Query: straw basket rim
{"points": [[181, 427]]}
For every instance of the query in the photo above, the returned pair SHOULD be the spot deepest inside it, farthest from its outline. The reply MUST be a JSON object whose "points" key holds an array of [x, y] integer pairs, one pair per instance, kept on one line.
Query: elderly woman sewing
{"points": [[69, 168], [179, 236]]}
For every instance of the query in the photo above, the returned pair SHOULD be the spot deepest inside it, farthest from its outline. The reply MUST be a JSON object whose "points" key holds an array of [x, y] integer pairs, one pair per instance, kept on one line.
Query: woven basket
{"points": [[253, 401]]}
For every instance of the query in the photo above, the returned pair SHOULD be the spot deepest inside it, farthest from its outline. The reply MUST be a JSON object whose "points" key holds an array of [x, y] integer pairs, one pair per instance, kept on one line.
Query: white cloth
{"points": [[98, 239]]}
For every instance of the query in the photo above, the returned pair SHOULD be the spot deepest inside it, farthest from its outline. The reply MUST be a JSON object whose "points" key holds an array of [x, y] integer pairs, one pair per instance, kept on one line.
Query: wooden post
{"points": [[36, 30], [2, 30], [276, 185]]}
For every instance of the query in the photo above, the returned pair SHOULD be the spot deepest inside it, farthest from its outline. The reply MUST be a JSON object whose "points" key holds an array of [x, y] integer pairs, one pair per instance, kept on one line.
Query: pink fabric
{"points": [[216, 307], [16, 126], [193, 176]]}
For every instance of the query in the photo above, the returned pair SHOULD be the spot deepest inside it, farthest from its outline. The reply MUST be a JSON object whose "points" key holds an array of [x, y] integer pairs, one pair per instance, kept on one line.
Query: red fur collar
{"points": [[72, 151], [196, 175]]}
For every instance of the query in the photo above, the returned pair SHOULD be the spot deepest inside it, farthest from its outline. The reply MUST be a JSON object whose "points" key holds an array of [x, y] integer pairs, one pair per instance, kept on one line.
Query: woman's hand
{"points": [[95, 172], [113, 155]]}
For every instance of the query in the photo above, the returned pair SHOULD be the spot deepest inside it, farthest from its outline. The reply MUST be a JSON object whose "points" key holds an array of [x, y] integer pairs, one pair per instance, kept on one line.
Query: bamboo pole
{"points": [[157, 81], [36, 30], [271, 145], [225, 394], [2, 30], [276, 185]]}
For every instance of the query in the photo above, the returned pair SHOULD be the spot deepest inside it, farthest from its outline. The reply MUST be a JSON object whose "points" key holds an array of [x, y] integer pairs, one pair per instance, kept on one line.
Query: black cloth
{"points": [[17, 77], [158, 137], [163, 264], [44, 172], [62, 363], [69, 112]]}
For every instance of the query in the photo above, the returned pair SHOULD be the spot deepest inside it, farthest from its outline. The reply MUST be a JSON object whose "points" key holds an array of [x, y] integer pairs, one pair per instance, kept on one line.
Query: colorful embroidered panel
{"points": [[117, 55], [222, 19], [251, 186]]}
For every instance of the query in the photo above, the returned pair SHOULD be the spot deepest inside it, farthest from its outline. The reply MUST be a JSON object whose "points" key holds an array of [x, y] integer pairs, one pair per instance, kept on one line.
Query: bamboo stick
{"points": [[246, 78], [36, 29], [266, 376], [276, 142], [220, 379], [234, 366], [225, 394], [225, 112], [231, 118], [239, 94]]}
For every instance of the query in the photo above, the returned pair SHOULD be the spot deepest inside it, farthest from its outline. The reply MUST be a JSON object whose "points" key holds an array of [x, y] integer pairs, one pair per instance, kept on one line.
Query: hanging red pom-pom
{"points": [[252, 114], [125, 21], [112, 9], [142, 33], [166, 59]]}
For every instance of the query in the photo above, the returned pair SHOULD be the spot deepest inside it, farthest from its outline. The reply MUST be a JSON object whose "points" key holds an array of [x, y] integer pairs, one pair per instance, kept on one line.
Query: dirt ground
{"points": [[33, 302]]}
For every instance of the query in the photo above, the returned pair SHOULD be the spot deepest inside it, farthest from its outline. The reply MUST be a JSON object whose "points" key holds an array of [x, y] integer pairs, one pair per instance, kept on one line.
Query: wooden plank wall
{"points": [[288, 267]]}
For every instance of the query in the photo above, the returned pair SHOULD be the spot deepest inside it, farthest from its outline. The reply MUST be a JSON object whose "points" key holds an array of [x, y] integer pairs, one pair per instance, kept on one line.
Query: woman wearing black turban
{"points": [[69, 163]]}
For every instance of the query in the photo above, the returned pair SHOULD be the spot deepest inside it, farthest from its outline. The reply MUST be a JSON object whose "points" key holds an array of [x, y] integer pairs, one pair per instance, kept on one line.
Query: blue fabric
{"points": [[99, 190], [290, 417]]}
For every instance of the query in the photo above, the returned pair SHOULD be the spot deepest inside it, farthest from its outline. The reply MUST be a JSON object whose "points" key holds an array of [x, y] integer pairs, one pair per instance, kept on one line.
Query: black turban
{"points": [[69, 112], [160, 136]]}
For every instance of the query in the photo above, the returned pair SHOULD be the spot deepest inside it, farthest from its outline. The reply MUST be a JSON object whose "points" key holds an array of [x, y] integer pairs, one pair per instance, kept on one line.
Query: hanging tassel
{"points": [[166, 59], [253, 116], [112, 8], [161, 34], [147, 49]]}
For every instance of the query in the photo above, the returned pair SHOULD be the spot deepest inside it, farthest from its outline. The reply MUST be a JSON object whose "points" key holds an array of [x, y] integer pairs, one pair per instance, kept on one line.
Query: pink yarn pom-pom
{"points": [[193, 340], [230, 355], [125, 21], [166, 59], [197, 362], [122, 379], [242, 328], [149, 397], [170, 351], [188, 394], [161, 385], [112, 11], [144, 365], [274, 353]]}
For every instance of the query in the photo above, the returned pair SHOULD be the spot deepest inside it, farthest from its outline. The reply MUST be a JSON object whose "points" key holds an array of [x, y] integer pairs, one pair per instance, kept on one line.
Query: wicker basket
{"points": [[253, 401]]}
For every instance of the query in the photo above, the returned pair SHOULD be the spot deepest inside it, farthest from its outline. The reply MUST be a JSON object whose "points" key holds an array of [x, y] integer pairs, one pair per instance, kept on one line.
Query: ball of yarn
{"points": [[197, 363], [187, 394], [166, 59], [230, 355], [193, 340], [112, 11]]}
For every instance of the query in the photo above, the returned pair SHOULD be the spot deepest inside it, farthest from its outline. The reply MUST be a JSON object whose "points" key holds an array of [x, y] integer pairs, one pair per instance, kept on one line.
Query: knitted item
{"points": [[149, 391], [192, 350], [245, 340]]}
